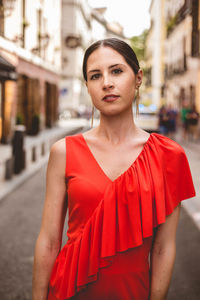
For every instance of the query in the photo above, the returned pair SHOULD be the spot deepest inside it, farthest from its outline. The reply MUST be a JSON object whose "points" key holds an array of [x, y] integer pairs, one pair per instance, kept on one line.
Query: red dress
{"points": [[111, 223]]}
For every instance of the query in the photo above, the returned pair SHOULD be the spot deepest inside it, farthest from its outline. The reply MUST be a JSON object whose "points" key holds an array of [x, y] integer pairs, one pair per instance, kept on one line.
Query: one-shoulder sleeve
{"points": [[173, 182]]}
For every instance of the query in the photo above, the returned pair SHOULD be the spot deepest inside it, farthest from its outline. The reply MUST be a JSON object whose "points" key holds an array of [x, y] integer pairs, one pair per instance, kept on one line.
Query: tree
{"points": [[138, 44]]}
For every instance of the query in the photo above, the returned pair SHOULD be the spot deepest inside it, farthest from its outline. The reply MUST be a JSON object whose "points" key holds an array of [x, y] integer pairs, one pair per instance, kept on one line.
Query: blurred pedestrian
{"points": [[192, 123], [123, 188], [163, 120], [184, 111], [172, 120]]}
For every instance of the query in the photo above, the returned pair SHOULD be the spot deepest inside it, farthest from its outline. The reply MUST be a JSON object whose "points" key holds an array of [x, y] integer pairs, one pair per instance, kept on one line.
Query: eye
{"points": [[117, 71], [95, 76]]}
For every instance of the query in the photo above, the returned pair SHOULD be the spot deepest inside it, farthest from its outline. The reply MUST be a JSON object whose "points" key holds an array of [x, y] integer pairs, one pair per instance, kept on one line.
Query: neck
{"points": [[117, 128]]}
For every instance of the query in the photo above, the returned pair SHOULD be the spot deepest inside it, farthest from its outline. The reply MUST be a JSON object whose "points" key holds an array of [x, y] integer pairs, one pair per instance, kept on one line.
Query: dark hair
{"points": [[118, 45]]}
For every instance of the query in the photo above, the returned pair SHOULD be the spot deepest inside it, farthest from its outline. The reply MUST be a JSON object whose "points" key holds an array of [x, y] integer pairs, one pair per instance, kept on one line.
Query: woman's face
{"points": [[111, 82]]}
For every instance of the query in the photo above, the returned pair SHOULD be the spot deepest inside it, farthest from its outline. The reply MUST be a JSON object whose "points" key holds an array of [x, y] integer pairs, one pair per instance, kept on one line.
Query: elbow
{"points": [[47, 245], [162, 250]]}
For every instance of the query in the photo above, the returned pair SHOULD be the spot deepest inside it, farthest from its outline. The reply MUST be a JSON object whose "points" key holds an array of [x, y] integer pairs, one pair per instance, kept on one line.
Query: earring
{"points": [[92, 119], [137, 99]]}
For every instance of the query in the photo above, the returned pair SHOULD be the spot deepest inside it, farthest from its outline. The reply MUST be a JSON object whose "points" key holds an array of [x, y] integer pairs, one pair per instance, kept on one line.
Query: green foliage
{"points": [[138, 44], [19, 119]]}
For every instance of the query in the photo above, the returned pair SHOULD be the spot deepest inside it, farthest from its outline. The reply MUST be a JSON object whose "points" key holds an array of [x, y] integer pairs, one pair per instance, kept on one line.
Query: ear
{"points": [[139, 77]]}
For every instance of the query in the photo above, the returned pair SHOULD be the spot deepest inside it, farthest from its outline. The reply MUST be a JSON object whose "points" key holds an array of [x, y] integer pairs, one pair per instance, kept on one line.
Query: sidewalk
{"points": [[192, 150], [37, 152]]}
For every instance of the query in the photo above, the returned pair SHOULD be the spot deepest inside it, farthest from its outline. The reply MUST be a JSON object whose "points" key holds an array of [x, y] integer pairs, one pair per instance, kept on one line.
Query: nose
{"points": [[107, 82]]}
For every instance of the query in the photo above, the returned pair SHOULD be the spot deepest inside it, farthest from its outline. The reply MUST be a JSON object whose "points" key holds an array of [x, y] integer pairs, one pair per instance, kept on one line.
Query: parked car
{"points": [[69, 113]]}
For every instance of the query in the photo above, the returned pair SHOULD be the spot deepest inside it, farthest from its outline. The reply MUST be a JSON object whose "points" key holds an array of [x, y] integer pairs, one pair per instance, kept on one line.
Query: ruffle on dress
{"points": [[132, 205]]}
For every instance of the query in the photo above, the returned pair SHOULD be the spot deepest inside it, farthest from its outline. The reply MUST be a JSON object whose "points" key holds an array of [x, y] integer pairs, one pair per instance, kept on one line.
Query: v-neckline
{"points": [[99, 166]]}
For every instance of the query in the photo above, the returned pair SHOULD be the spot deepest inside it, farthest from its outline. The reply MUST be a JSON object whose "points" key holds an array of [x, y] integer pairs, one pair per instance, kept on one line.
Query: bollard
{"points": [[9, 168], [18, 148]]}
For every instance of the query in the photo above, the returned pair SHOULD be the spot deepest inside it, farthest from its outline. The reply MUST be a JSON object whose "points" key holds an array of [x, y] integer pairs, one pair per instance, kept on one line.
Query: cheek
{"points": [[128, 83], [93, 92], [129, 89], [131, 82], [91, 89], [133, 91]]}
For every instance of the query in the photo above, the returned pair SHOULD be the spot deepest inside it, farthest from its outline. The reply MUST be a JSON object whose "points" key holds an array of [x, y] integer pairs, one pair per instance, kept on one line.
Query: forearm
{"points": [[44, 259], [162, 263]]}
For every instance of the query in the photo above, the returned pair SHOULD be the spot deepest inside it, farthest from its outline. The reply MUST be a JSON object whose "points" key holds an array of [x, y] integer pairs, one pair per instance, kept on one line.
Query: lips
{"points": [[110, 98]]}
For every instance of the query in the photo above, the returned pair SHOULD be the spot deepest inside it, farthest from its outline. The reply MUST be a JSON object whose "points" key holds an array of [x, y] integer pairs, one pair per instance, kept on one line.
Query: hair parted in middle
{"points": [[116, 44]]}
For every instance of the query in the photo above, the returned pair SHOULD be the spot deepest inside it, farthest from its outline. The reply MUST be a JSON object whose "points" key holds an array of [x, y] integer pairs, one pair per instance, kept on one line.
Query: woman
{"points": [[123, 190]]}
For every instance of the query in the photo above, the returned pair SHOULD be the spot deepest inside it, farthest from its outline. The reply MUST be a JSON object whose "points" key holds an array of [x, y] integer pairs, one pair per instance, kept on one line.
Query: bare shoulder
{"points": [[57, 158], [58, 148]]}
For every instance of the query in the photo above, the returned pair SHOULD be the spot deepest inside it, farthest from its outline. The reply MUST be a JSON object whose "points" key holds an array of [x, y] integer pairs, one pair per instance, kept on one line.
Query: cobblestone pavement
{"points": [[20, 216]]}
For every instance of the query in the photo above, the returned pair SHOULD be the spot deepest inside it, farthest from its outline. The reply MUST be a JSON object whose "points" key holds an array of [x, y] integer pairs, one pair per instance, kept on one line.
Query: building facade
{"points": [[155, 52], [173, 52], [182, 52], [32, 51], [76, 34]]}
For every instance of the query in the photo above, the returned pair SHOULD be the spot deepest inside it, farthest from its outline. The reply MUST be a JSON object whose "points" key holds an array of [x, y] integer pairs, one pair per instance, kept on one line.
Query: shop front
{"points": [[37, 97], [8, 77]]}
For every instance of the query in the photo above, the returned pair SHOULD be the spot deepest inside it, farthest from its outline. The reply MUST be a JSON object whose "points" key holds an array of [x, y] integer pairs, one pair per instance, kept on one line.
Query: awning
{"points": [[7, 70]]}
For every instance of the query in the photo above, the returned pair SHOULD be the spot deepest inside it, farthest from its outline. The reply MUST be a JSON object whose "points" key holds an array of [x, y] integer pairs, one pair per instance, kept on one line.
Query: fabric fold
{"points": [[132, 205]]}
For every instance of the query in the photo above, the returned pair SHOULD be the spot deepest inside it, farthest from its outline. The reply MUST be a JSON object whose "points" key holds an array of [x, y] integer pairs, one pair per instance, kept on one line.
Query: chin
{"points": [[112, 112]]}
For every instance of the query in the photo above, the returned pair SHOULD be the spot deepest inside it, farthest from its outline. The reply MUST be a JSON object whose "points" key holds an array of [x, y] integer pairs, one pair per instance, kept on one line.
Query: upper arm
{"points": [[166, 232], [55, 205]]}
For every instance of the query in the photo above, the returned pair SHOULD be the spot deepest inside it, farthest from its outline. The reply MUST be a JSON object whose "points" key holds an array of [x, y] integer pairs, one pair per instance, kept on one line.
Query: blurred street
{"points": [[20, 217]]}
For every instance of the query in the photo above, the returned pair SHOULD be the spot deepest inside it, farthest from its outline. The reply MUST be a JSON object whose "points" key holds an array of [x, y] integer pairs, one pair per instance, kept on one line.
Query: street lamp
{"points": [[73, 41], [6, 7]]}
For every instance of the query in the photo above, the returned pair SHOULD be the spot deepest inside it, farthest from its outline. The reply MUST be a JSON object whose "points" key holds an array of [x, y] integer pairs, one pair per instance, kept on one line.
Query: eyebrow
{"points": [[110, 67]]}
